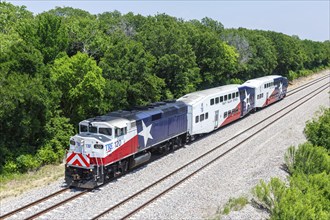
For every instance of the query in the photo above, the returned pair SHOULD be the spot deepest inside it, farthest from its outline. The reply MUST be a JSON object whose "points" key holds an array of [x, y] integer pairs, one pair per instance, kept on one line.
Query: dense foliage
{"points": [[308, 193], [65, 65]]}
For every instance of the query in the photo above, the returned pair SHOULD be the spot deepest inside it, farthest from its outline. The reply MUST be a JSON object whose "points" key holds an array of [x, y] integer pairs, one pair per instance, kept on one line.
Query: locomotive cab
{"points": [[85, 158]]}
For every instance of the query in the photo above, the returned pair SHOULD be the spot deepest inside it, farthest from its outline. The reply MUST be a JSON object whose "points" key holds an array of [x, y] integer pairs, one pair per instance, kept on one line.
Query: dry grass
{"points": [[19, 183]]}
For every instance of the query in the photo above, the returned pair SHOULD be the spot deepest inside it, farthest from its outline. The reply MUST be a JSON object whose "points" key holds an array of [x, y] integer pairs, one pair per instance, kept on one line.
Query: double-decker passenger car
{"points": [[268, 89]]}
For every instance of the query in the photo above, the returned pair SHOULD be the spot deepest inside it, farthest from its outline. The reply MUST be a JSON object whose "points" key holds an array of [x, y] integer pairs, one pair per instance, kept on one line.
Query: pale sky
{"points": [[307, 19]]}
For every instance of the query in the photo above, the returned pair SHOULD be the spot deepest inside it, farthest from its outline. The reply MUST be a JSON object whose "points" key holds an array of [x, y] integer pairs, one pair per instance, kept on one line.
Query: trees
{"points": [[81, 84], [127, 64], [51, 36], [164, 38]]}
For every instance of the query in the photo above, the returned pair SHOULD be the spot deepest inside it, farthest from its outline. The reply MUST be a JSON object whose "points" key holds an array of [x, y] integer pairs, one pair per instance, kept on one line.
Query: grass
{"points": [[234, 204], [16, 184]]}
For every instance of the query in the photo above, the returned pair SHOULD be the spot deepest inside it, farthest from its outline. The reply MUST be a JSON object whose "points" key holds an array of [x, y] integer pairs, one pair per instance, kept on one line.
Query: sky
{"points": [[307, 19]]}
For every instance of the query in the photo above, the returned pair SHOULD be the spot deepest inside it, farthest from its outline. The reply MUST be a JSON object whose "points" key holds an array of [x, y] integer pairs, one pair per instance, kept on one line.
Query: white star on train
{"points": [[247, 100], [280, 88], [145, 133]]}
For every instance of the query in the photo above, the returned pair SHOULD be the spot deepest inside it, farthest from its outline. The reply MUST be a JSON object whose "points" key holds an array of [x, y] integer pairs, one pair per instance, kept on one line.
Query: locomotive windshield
{"points": [[94, 129], [83, 128]]}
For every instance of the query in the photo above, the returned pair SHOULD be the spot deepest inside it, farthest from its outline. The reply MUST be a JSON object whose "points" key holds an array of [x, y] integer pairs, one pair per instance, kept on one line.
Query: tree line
{"points": [[64, 65]]}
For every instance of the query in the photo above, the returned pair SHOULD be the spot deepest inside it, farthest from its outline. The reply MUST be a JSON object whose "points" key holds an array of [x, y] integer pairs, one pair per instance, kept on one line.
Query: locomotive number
{"points": [[111, 146], [118, 143]]}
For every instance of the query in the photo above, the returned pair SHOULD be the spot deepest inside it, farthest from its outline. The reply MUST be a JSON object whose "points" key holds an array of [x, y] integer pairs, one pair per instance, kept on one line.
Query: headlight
{"points": [[98, 146], [72, 142]]}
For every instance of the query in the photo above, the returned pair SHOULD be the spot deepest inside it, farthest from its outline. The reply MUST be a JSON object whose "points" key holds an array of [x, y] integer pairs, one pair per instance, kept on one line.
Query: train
{"points": [[109, 145]]}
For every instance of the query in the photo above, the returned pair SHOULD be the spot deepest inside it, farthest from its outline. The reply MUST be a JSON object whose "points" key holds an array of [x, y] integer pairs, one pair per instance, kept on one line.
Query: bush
{"points": [[307, 198], [268, 195], [292, 75], [307, 159], [10, 167], [27, 162], [46, 155], [317, 131]]}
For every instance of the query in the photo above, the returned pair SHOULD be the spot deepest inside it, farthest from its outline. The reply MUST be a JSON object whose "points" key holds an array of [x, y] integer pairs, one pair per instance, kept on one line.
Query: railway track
{"points": [[168, 176], [138, 196], [38, 202], [306, 85]]}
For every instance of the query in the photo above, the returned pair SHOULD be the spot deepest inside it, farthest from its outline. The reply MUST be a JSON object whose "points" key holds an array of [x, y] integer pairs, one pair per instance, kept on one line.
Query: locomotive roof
{"points": [[196, 96], [121, 117], [261, 80]]}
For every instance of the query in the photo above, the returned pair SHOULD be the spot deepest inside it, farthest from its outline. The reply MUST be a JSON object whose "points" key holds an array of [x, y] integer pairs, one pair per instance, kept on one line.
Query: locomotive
{"points": [[110, 145]]}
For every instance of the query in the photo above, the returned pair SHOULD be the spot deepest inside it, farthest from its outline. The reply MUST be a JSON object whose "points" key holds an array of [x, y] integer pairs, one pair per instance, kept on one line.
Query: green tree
{"points": [[128, 64], [51, 36], [81, 84], [216, 60], [163, 36]]}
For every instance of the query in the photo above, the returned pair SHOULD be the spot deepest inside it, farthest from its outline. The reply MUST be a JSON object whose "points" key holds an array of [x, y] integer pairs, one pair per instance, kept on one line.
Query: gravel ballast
{"points": [[200, 197]]}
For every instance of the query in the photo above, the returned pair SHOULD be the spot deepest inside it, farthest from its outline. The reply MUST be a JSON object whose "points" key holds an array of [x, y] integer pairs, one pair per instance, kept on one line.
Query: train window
{"points": [[123, 131], [221, 98], [229, 96], [83, 128], [229, 113], [206, 115], [202, 117], [216, 100], [197, 119], [225, 115], [106, 131], [225, 98], [236, 94], [233, 95], [212, 101], [133, 124], [117, 132]]}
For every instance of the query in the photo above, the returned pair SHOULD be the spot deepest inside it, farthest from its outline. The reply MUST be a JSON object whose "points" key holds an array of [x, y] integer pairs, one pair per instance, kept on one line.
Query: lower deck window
{"points": [[202, 117]]}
